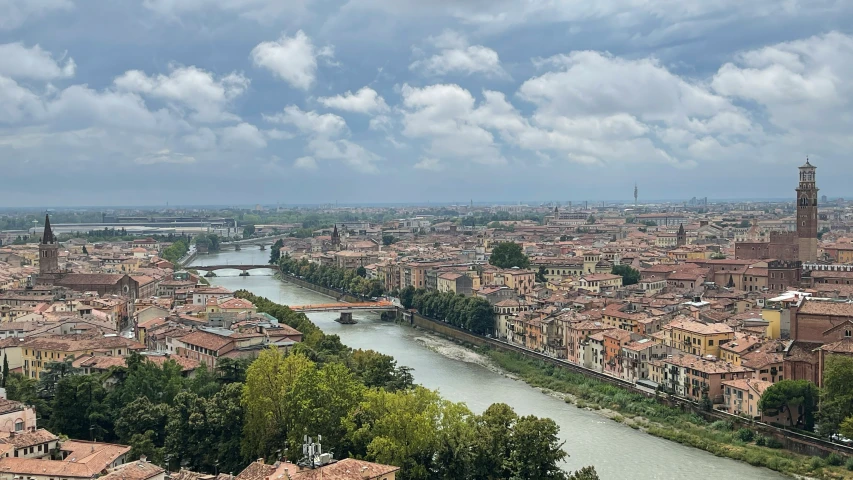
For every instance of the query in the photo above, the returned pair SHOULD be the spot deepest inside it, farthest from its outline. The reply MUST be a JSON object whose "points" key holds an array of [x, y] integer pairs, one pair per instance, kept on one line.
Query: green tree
{"points": [[275, 251], [630, 276], [248, 231], [508, 255], [51, 374], [361, 271], [139, 417], [79, 409], [85, 251], [5, 369], [797, 398], [407, 296], [536, 450], [387, 240], [540, 275], [837, 395]]}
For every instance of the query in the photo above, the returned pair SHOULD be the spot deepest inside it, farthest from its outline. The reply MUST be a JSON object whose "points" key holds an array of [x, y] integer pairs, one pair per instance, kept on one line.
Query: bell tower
{"points": [[807, 214], [48, 255]]}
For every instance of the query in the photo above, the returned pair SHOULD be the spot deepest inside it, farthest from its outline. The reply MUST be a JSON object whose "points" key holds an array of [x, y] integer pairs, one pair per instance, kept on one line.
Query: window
{"points": [[19, 426], [710, 343]]}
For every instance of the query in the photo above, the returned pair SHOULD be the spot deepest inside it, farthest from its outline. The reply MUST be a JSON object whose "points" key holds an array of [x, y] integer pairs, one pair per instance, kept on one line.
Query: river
{"points": [[617, 451]]}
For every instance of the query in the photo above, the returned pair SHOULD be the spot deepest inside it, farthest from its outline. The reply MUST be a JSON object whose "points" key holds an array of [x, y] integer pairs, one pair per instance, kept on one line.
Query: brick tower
{"points": [[48, 255], [807, 214]]}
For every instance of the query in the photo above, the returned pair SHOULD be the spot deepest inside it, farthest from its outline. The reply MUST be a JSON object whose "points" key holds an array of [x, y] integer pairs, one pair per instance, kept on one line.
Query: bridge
{"points": [[243, 268], [346, 309]]}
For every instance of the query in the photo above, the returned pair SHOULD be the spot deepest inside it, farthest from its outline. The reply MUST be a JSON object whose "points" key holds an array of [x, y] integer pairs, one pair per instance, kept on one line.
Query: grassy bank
{"points": [[640, 412]]}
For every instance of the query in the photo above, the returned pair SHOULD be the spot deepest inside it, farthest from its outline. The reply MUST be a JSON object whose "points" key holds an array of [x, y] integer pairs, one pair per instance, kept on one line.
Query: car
{"points": [[841, 439]]}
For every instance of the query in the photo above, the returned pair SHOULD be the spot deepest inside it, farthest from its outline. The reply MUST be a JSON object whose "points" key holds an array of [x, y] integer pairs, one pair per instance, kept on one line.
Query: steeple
{"points": [[336, 238], [47, 237]]}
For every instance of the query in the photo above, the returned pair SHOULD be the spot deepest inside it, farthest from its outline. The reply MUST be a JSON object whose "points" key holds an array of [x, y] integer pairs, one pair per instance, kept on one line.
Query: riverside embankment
{"points": [[618, 451]]}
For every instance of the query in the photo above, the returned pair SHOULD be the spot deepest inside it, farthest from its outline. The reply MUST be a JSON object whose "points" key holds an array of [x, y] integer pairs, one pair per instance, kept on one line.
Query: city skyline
{"points": [[380, 102]]}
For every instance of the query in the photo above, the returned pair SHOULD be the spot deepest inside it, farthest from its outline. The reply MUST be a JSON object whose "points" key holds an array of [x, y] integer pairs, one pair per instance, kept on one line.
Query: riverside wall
{"points": [[792, 441]]}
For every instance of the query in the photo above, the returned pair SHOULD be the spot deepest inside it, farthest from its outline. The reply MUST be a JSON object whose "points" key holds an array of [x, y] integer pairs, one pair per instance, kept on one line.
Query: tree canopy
{"points": [[796, 398], [836, 409], [508, 255], [630, 276]]}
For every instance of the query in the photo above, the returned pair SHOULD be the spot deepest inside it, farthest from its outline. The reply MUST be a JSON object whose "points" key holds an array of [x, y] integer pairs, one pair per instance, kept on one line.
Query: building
{"points": [[807, 214], [697, 338], [597, 282], [346, 469], [15, 417], [39, 351], [741, 396], [455, 283]]}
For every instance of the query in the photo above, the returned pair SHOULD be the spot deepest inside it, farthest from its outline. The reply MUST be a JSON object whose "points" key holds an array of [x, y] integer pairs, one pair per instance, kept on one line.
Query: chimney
{"points": [[364, 473]]}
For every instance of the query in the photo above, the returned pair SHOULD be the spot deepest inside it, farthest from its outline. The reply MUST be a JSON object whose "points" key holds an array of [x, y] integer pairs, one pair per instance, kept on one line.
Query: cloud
{"points": [[365, 101], [189, 87], [292, 59], [305, 163], [242, 136], [431, 164], [164, 156], [323, 132], [263, 11], [457, 57], [18, 61], [18, 104], [13, 13], [442, 115]]}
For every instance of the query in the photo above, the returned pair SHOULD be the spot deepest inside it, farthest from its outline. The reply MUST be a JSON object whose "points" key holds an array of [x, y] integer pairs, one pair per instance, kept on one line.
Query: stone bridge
{"points": [[243, 268]]}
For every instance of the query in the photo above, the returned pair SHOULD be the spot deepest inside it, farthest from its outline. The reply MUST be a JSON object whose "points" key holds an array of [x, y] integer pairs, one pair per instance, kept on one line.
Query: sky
{"points": [[144, 102]]}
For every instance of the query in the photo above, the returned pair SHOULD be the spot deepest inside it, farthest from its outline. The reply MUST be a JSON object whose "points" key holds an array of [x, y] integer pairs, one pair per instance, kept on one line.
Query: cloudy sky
{"points": [[106, 102]]}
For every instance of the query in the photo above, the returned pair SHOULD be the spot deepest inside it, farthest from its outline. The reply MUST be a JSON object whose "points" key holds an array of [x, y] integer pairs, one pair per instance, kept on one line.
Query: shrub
{"points": [[773, 443], [722, 425], [745, 435], [761, 441], [834, 459], [849, 464], [816, 463]]}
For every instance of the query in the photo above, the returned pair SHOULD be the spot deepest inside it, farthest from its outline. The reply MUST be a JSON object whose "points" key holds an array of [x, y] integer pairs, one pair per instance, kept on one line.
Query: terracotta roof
{"points": [[347, 469], [8, 406], [823, 307], [207, 340], [97, 456], [28, 439], [138, 470], [701, 328], [41, 467], [844, 345], [237, 303]]}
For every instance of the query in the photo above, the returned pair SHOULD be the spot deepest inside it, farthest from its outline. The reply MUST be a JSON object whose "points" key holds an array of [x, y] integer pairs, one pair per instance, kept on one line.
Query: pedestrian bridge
{"points": [[344, 307]]}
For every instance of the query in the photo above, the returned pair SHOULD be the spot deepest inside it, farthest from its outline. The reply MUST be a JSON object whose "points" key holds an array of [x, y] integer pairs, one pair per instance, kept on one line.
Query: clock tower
{"points": [[807, 214]]}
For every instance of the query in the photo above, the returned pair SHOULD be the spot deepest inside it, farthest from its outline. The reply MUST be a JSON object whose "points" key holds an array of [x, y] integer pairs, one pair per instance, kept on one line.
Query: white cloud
{"points": [[164, 156], [18, 61], [13, 13], [292, 59], [365, 101], [325, 125], [323, 132], [443, 116], [431, 164], [305, 163], [242, 136], [18, 104], [262, 11], [456, 56], [192, 87]]}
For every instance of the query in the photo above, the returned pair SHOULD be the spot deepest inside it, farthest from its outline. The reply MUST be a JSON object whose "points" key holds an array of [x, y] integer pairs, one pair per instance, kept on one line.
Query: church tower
{"points": [[681, 236], [807, 214], [336, 238], [48, 255]]}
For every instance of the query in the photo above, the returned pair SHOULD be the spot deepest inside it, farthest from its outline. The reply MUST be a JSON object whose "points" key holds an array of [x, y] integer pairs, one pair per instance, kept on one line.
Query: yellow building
{"points": [[38, 352], [600, 281], [773, 316], [697, 338]]}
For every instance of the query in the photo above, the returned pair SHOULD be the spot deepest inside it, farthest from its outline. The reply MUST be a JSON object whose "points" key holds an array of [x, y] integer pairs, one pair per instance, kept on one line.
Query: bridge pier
{"points": [[263, 247], [346, 319], [210, 274], [237, 247], [244, 273]]}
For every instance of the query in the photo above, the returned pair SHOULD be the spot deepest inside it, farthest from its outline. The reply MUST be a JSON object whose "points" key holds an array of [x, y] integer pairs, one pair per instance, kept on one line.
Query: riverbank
{"points": [[639, 412]]}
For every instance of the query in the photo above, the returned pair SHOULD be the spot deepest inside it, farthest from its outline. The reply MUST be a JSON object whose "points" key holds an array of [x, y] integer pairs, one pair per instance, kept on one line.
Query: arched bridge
{"points": [[344, 307], [243, 268]]}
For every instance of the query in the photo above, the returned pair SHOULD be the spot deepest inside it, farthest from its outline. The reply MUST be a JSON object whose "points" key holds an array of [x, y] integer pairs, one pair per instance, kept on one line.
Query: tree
{"points": [[361, 271], [630, 276], [837, 395], [407, 296], [536, 450], [248, 231], [275, 251], [540, 275], [50, 376], [85, 251], [590, 220], [388, 240], [5, 369], [508, 255], [797, 398]]}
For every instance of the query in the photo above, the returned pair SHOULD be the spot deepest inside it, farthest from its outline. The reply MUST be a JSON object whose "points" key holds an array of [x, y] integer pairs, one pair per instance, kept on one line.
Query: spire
{"points": [[680, 229], [48, 236]]}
